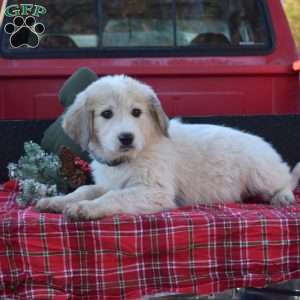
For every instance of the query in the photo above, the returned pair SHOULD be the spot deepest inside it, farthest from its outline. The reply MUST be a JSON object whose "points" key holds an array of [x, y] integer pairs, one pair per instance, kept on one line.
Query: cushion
{"points": [[75, 84], [55, 137]]}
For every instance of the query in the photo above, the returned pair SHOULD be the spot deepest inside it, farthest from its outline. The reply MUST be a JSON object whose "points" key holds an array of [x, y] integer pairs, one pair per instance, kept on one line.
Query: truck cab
{"points": [[203, 57], [227, 62]]}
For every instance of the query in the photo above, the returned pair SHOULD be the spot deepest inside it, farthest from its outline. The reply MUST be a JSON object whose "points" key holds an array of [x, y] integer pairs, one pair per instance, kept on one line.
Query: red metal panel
{"points": [[186, 85], [47, 105]]}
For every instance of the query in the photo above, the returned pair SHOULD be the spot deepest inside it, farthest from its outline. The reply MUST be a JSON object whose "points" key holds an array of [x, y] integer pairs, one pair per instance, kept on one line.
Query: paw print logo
{"points": [[24, 32]]}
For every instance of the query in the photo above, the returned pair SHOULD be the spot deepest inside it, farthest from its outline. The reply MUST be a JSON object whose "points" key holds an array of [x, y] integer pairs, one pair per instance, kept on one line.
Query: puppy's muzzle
{"points": [[126, 140]]}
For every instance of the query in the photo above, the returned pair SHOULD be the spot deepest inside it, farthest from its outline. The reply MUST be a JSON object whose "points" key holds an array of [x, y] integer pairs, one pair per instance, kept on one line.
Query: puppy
{"points": [[142, 162]]}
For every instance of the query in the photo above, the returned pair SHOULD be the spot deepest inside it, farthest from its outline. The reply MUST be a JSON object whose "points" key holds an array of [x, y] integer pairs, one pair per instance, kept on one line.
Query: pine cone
{"points": [[67, 161], [74, 170], [78, 179]]}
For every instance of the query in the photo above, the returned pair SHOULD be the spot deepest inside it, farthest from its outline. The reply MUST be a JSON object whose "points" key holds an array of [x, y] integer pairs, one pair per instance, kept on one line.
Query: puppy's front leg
{"points": [[133, 200], [58, 203]]}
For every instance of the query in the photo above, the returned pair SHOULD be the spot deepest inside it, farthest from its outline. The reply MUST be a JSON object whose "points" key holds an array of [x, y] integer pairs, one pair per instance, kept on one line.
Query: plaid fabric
{"points": [[200, 250]]}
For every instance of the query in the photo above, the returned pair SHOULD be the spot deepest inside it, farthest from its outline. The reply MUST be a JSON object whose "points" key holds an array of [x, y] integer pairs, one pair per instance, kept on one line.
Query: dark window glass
{"points": [[138, 23], [221, 23], [70, 24], [97, 26]]}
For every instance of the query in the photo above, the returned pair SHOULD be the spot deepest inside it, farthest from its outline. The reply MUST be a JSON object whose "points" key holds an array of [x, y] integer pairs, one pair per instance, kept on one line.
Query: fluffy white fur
{"points": [[167, 160]]}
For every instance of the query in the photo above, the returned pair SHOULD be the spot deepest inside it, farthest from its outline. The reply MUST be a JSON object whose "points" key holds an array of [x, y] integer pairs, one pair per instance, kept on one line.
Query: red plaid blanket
{"points": [[200, 250]]}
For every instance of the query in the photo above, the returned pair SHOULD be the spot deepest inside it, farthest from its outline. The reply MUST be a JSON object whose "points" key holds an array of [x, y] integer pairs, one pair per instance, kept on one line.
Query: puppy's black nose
{"points": [[126, 138]]}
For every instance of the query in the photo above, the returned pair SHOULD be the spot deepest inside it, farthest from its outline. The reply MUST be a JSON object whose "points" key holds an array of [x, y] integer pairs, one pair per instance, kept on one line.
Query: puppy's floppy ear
{"points": [[76, 121], [159, 116]]}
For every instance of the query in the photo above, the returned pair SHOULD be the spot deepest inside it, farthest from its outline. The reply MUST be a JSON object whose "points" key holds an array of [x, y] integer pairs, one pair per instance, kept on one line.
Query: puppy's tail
{"points": [[295, 176]]}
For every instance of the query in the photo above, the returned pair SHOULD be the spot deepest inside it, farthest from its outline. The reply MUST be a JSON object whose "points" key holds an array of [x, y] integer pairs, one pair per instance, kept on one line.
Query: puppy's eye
{"points": [[136, 112], [107, 114]]}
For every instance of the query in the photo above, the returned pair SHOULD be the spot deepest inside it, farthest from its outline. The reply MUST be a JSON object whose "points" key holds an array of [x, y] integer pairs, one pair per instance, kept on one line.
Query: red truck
{"points": [[203, 57], [232, 59], [228, 60]]}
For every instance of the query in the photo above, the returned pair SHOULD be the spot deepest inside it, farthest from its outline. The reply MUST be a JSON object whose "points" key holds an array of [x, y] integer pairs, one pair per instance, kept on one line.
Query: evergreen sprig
{"points": [[37, 172]]}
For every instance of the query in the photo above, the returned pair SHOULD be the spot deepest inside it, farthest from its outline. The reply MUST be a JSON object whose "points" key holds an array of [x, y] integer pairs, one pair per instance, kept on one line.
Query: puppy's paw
{"points": [[283, 198], [83, 210], [52, 204]]}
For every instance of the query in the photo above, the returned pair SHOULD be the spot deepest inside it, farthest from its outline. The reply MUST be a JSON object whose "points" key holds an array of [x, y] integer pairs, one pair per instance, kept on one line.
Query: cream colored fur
{"points": [[168, 161]]}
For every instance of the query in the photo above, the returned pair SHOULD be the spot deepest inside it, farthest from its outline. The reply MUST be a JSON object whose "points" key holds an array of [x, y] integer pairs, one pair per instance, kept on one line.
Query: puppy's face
{"points": [[122, 123], [116, 117]]}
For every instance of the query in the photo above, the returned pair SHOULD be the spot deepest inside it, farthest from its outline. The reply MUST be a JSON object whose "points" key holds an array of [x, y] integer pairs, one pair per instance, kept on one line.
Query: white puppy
{"points": [[143, 163]]}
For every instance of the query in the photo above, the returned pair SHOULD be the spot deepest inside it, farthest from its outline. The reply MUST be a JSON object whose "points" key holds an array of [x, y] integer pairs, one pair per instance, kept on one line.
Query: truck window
{"points": [[135, 27]]}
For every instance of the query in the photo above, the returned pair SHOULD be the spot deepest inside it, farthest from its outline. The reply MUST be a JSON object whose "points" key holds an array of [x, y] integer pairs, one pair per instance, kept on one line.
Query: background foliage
{"points": [[293, 12]]}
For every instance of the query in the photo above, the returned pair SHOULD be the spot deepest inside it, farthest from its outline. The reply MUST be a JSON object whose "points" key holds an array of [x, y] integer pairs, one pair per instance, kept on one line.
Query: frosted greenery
{"points": [[37, 172]]}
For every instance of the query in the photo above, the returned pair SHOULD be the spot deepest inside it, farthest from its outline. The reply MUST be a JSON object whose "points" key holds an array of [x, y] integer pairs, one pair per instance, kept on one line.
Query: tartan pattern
{"points": [[199, 250]]}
